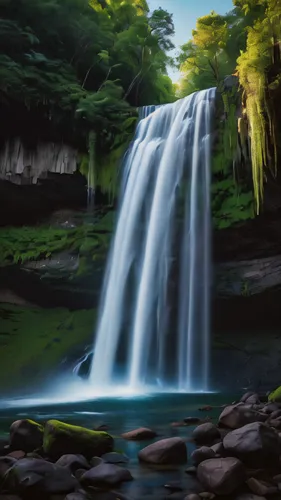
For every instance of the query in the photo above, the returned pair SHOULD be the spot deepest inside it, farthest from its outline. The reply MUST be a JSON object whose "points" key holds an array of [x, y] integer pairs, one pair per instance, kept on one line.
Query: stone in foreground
{"points": [[249, 496], [73, 462], [221, 476], [26, 435], [206, 434], [105, 475], [201, 454], [61, 439], [255, 444], [32, 474], [166, 451], [238, 415], [141, 434]]}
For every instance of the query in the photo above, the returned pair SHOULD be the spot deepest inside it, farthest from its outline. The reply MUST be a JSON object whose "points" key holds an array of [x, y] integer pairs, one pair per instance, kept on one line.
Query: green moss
{"points": [[21, 244], [34, 341], [60, 438], [275, 395]]}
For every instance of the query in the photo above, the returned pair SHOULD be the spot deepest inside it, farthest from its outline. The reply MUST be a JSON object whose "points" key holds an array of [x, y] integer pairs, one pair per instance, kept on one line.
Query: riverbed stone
{"points": [[261, 487], [105, 475], [206, 434], [249, 496], [238, 415], [141, 434], [40, 476], [115, 458], [73, 462], [218, 448], [192, 496], [5, 464], [255, 444], [201, 454], [26, 435], [61, 439], [221, 476], [166, 451]]}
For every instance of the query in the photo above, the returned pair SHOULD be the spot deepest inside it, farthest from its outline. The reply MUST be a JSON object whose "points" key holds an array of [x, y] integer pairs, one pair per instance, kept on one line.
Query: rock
{"points": [[5, 464], [115, 458], [79, 473], [249, 395], [201, 454], [255, 444], [61, 439], [253, 400], [249, 496], [30, 474], [73, 462], [105, 475], [191, 470], [221, 476], [276, 424], [174, 486], [218, 448], [141, 434], [9, 497], [77, 495], [275, 414], [192, 496], [26, 435], [239, 415], [192, 420], [270, 408], [17, 454], [206, 495], [166, 451], [277, 479], [261, 488], [95, 461], [206, 434], [101, 427]]}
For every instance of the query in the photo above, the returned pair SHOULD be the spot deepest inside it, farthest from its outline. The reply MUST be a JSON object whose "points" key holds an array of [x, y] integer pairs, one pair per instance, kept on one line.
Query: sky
{"points": [[185, 13]]}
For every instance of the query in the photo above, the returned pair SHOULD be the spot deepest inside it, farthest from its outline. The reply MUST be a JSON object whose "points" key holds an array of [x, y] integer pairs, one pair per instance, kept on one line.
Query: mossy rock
{"points": [[60, 439], [275, 396]]}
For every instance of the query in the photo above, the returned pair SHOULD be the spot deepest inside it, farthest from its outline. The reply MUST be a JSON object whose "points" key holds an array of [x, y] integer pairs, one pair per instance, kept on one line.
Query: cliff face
{"points": [[22, 166]]}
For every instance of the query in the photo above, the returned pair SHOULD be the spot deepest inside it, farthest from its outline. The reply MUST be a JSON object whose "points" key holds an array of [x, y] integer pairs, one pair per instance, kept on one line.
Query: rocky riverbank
{"points": [[237, 458]]}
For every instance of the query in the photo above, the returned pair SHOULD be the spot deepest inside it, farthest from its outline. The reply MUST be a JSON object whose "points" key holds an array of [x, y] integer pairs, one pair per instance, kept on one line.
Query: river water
{"points": [[124, 414]]}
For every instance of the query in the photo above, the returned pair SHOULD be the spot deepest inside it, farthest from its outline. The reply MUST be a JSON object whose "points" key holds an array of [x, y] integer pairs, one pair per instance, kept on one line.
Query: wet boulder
{"points": [[166, 451], [201, 454], [141, 434], [26, 435], [221, 476], [255, 444], [5, 464], [73, 462], [61, 439], [206, 434], [39, 476], [238, 415], [105, 475]]}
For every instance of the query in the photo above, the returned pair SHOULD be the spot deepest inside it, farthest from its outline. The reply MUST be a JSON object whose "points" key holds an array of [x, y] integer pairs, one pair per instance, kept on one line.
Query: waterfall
{"points": [[153, 325]]}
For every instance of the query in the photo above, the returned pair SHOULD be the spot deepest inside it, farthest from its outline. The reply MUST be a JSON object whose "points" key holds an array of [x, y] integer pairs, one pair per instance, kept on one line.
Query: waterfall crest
{"points": [[153, 325]]}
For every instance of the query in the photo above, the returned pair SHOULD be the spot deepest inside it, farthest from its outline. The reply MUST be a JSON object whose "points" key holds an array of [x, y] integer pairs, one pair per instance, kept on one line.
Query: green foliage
{"points": [[74, 66], [253, 67], [22, 244], [229, 205]]}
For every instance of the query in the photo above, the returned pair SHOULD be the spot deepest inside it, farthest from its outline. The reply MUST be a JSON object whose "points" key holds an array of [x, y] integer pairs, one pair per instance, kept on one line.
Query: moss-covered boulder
{"points": [[26, 435], [61, 439], [275, 396]]}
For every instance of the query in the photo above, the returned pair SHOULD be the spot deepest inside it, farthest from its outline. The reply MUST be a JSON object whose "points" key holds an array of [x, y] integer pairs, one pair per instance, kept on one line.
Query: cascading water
{"points": [[153, 323]]}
